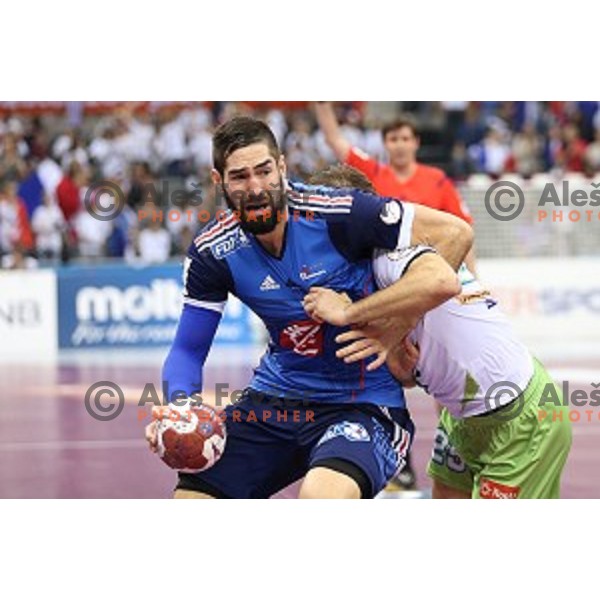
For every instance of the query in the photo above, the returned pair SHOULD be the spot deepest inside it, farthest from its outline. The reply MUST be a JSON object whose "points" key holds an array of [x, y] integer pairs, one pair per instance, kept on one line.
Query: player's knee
{"points": [[322, 483], [441, 491]]}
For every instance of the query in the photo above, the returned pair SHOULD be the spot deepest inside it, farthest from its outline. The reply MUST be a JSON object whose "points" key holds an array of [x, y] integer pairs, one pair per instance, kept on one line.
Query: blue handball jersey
{"points": [[329, 241]]}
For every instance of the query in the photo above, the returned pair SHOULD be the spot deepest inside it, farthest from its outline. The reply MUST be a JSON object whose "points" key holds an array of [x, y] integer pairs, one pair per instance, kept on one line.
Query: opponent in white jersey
{"points": [[466, 345], [491, 442]]}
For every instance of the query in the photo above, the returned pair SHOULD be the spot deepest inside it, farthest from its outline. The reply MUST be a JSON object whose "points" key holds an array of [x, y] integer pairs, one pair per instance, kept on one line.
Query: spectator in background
{"points": [[12, 165], [70, 147], [92, 233], [198, 124], [300, 148], [432, 113], [15, 229], [16, 128], [153, 244], [171, 145], [525, 113], [472, 129], [492, 154], [592, 156], [31, 133], [68, 191], [48, 171], [135, 134], [18, 259], [142, 184], [62, 144], [276, 121], [506, 113], [596, 121], [455, 116], [182, 225], [526, 152], [196, 119], [100, 146], [552, 147], [571, 154], [461, 165], [122, 234], [526, 137], [49, 226], [9, 223], [104, 150], [200, 150], [31, 189], [587, 113]]}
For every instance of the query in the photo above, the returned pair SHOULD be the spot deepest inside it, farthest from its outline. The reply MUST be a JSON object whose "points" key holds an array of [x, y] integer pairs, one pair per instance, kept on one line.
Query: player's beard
{"points": [[273, 203]]}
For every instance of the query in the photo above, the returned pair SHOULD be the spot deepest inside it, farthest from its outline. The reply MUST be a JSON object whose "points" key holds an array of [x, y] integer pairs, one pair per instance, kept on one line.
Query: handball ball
{"points": [[191, 437]]}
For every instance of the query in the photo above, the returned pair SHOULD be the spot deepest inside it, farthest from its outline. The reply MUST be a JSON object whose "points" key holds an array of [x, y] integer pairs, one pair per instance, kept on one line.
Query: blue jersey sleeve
{"points": [[182, 370], [358, 221], [207, 280]]}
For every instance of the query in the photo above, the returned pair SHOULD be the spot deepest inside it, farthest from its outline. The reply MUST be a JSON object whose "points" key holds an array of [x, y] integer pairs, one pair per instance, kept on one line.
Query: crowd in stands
{"points": [[47, 165]]}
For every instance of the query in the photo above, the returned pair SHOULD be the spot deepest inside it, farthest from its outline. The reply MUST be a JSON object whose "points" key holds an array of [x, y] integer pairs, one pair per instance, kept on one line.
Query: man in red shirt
{"points": [[404, 178]]}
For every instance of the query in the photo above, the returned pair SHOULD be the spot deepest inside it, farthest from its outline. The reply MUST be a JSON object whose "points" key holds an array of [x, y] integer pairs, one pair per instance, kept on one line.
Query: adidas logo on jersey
{"points": [[269, 284]]}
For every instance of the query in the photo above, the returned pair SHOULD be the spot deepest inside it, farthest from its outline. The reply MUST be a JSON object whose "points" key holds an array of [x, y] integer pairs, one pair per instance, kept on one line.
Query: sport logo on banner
{"points": [[125, 306]]}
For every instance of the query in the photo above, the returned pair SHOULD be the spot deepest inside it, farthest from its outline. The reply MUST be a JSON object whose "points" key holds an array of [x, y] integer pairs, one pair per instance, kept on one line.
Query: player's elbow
{"points": [[458, 240], [447, 285], [443, 282], [452, 237]]}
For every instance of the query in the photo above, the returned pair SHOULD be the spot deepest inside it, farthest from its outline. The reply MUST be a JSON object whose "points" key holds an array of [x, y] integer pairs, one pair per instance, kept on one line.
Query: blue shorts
{"points": [[273, 442]]}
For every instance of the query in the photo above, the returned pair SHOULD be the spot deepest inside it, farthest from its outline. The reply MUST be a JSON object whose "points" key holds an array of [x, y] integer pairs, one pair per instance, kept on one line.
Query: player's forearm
{"points": [[429, 282], [450, 236], [181, 374], [182, 370], [331, 130]]}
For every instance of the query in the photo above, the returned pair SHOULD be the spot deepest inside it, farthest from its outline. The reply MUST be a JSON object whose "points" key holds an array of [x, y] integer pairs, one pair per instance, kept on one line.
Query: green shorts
{"points": [[513, 452]]}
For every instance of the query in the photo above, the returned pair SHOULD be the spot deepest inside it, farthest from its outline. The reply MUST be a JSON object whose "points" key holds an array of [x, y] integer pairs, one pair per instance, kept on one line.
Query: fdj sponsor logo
{"points": [[225, 247], [230, 244], [160, 300]]}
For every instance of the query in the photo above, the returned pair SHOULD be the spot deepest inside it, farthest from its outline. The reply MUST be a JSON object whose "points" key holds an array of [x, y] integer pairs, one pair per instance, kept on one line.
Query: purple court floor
{"points": [[50, 446]]}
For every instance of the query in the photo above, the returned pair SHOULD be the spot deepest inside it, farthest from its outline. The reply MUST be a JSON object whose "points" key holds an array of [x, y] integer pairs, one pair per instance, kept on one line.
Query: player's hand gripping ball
{"points": [[190, 438]]}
